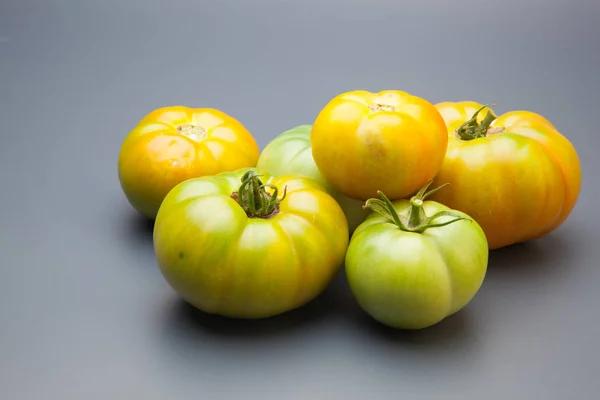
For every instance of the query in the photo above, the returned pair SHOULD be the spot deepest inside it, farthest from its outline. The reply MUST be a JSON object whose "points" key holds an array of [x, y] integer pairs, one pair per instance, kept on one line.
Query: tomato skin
{"points": [[155, 156], [224, 262], [363, 142], [410, 280], [290, 153], [519, 184]]}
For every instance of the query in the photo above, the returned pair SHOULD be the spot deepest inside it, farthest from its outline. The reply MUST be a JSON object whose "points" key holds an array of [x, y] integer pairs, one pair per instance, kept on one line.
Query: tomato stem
{"points": [[416, 219], [253, 197], [472, 129], [416, 214]]}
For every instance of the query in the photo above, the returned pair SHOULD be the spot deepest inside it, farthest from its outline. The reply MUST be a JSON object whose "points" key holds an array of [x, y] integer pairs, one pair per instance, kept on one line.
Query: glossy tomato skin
{"points": [[224, 262], [519, 184], [410, 280], [363, 142], [172, 144], [290, 153]]}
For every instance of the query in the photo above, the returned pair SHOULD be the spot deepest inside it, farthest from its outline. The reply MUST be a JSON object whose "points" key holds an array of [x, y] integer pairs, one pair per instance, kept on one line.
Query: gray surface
{"points": [[84, 312]]}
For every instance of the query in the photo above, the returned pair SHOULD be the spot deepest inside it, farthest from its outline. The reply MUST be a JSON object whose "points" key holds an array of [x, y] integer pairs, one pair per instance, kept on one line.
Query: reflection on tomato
{"points": [[172, 144]]}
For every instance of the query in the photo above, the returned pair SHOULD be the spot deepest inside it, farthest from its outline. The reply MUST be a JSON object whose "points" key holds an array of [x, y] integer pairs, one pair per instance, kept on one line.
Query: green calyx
{"points": [[416, 220], [472, 129], [253, 197]]}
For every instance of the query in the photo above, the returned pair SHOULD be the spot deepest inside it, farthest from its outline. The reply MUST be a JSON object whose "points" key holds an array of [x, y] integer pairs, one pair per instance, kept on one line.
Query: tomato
{"points": [[290, 153], [413, 263], [363, 142], [515, 174], [172, 144], [245, 244]]}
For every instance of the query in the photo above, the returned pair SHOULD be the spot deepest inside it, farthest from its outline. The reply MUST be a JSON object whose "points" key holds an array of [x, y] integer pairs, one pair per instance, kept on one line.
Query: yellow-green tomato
{"points": [[412, 263], [245, 244], [290, 153]]}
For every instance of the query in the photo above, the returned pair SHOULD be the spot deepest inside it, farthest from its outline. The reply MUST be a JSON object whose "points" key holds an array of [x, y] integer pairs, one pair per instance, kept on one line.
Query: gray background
{"points": [[84, 312]]}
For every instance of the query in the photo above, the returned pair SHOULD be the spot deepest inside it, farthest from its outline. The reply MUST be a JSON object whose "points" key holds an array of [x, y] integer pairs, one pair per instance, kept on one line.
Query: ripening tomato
{"points": [[290, 153], [244, 244], [413, 263], [515, 174], [391, 141], [172, 144]]}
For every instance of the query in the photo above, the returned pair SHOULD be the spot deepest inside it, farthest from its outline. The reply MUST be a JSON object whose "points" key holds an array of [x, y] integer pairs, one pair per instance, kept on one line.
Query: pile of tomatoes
{"points": [[407, 196]]}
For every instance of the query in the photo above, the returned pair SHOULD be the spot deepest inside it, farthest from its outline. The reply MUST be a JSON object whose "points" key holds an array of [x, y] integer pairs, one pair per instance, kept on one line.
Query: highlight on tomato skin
{"points": [[175, 143], [391, 141], [515, 173]]}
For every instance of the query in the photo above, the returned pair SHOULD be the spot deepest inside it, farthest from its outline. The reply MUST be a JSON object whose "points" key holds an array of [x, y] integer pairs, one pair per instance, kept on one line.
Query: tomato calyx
{"points": [[253, 197], [193, 132], [416, 220], [472, 129]]}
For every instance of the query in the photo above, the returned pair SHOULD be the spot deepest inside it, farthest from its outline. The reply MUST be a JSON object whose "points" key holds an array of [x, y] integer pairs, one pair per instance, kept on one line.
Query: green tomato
{"points": [[245, 244], [412, 263], [290, 153]]}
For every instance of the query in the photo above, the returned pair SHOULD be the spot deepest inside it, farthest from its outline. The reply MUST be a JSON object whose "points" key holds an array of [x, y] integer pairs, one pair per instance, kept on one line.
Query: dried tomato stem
{"points": [[472, 129], [254, 198]]}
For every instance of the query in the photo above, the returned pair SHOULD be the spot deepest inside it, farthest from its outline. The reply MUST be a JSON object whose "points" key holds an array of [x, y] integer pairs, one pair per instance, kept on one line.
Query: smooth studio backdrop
{"points": [[84, 311]]}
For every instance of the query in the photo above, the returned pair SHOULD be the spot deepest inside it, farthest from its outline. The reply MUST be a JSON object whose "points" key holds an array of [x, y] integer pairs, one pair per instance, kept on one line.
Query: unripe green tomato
{"points": [[415, 275], [244, 244], [290, 154]]}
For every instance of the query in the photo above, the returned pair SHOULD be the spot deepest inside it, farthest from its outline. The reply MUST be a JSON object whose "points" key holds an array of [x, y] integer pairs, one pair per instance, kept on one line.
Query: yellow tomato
{"points": [[173, 144], [391, 141], [515, 174]]}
